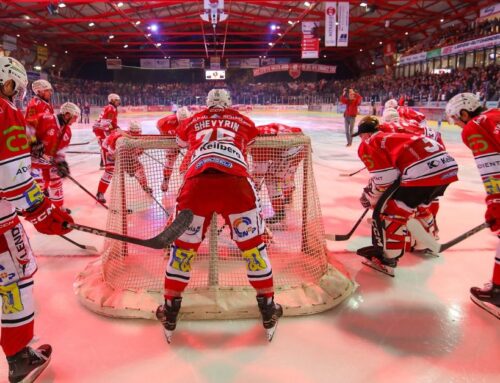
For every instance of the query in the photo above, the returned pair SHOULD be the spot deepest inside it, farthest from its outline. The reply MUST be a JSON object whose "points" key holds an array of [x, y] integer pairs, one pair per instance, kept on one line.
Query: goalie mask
{"points": [[218, 97], [135, 128], [392, 103], [390, 115], [183, 113]]}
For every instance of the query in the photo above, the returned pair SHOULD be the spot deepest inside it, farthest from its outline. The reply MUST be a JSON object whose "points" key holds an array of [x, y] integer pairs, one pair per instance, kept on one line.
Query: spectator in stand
{"points": [[352, 100], [86, 113]]}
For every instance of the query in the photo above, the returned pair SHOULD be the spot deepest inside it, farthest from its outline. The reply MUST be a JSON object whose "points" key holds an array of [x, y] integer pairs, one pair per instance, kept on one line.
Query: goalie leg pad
{"points": [[394, 218]]}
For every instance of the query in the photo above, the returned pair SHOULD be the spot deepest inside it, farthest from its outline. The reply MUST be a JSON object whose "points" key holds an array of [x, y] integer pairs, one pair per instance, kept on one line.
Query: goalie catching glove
{"points": [[48, 219], [371, 195], [62, 169]]}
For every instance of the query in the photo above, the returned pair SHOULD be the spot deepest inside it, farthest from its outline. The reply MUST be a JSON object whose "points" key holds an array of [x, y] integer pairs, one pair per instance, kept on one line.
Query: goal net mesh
{"points": [[128, 279]]}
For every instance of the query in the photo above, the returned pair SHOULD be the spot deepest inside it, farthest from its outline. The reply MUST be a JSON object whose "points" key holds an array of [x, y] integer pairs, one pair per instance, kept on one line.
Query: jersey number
{"points": [[221, 135], [430, 146]]}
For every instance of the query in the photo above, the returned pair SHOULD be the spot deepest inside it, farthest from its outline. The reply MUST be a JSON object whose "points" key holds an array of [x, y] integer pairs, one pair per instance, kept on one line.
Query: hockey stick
{"points": [[161, 241], [80, 143], [345, 237], [82, 152], [84, 247], [460, 238], [86, 191], [351, 174]]}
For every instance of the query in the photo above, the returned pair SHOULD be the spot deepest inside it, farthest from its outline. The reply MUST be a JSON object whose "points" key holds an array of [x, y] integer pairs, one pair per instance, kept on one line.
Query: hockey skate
{"points": [[28, 364], [488, 298], [271, 312], [167, 314], [100, 197], [376, 260], [147, 189], [164, 185]]}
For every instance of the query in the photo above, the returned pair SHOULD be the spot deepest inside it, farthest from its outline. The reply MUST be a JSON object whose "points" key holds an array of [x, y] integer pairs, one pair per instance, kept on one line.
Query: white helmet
{"points": [[462, 101], [11, 69], [135, 127], [113, 96], [390, 115], [183, 113], [218, 97], [392, 103], [40, 86], [69, 107]]}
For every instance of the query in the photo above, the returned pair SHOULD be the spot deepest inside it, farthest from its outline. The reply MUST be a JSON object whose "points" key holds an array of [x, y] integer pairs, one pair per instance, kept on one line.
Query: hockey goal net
{"points": [[127, 281]]}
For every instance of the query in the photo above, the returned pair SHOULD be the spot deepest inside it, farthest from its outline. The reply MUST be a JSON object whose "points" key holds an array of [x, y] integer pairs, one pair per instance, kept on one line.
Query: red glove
{"points": [[49, 219], [492, 215]]}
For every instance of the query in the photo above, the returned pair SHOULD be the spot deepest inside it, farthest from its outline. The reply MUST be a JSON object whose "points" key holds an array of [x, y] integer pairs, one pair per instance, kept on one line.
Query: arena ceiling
{"points": [[91, 30]]}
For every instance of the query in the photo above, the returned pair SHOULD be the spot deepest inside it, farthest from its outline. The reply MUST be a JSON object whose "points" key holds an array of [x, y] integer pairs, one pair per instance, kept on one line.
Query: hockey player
{"points": [[167, 126], [276, 167], [405, 111], [39, 104], [19, 192], [424, 170], [133, 167], [217, 181], [481, 134], [107, 122], [54, 132]]}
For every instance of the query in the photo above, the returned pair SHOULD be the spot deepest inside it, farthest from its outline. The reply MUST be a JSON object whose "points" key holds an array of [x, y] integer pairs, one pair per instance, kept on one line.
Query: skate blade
{"points": [[488, 307], [31, 377], [168, 335], [425, 253], [270, 332], [379, 267]]}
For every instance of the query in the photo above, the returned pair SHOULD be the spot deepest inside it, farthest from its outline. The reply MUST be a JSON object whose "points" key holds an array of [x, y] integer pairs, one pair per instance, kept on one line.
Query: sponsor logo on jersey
{"points": [[477, 143], [192, 230], [22, 169], [34, 195], [16, 138], [214, 160], [242, 226], [214, 145]]}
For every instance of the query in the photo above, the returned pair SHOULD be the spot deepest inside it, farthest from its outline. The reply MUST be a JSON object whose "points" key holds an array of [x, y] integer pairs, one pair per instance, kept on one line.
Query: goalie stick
{"points": [[351, 174], [345, 237], [84, 247], [161, 241]]}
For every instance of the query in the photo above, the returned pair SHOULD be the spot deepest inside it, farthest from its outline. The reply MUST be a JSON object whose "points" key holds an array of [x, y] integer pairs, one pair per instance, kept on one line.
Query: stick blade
{"points": [[173, 231]]}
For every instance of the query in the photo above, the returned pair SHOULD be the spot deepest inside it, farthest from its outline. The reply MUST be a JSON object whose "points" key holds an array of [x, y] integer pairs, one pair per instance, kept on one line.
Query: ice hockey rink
{"points": [[417, 327]]}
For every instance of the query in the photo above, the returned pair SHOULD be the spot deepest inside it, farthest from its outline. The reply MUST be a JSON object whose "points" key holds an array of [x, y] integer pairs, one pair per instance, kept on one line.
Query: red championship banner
{"points": [[295, 69], [310, 42]]}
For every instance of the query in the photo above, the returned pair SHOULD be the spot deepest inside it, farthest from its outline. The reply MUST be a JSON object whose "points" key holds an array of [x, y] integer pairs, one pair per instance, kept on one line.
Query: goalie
{"points": [[276, 167], [133, 166]]}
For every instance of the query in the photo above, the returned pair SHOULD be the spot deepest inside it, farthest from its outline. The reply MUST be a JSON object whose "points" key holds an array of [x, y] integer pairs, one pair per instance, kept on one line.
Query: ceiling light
{"points": [[45, 44], [442, 20], [280, 34], [406, 33], [18, 35], [125, 46], [137, 22], [106, 57], [158, 45], [373, 62], [270, 44], [154, 27], [380, 42], [363, 4], [37, 67], [119, 5], [91, 24], [307, 3], [117, 57], [361, 49], [149, 35], [324, 56], [26, 17], [66, 52], [164, 57], [53, 65], [336, 23], [62, 5], [290, 22], [111, 37], [273, 27]]}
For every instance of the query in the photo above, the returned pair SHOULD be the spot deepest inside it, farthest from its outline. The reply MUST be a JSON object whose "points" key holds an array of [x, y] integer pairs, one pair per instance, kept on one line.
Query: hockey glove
{"points": [[492, 215], [37, 149], [48, 219], [62, 169]]}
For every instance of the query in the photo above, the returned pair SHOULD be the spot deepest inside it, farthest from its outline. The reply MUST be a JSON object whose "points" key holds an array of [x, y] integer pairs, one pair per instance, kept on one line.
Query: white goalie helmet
{"points": [[183, 113], [11, 69], [69, 107], [40, 86], [390, 115], [135, 127], [112, 97], [218, 97], [392, 103], [462, 101]]}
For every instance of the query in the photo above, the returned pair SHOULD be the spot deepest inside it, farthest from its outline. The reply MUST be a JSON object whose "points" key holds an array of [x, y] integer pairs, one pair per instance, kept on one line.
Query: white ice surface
{"points": [[417, 327]]}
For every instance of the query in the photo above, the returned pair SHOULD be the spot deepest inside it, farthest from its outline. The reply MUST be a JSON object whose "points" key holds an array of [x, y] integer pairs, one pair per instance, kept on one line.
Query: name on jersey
{"points": [[226, 124]]}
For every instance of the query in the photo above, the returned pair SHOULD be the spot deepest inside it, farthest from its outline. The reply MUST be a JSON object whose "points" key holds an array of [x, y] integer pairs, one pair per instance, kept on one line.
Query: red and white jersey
{"points": [[107, 121], [55, 136], [418, 160], [17, 187], [411, 127], [167, 126], [35, 108], [217, 138], [482, 137], [110, 142], [274, 128], [408, 113]]}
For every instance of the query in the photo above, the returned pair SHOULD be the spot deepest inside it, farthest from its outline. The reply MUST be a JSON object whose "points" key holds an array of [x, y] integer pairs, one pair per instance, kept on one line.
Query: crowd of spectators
{"points": [[453, 35], [421, 88]]}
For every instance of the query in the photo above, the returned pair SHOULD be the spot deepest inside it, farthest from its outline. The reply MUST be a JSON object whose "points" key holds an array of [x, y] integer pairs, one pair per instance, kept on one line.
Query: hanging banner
{"points": [[330, 24], [114, 64], [310, 43], [295, 69], [492, 10], [215, 62], [343, 17], [42, 54]]}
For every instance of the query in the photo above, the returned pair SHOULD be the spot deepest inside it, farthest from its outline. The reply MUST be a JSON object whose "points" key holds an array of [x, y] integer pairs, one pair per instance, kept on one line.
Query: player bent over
{"points": [[217, 181], [423, 170], [133, 166], [54, 132], [167, 126], [480, 132], [19, 192], [107, 123]]}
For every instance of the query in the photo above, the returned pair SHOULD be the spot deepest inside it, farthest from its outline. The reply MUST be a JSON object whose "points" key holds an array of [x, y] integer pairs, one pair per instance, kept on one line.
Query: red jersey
{"points": [[218, 139], [36, 106], [408, 113], [168, 125], [351, 106], [17, 187], [411, 127], [107, 121], [418, 160], [482, 137], [110, 143], [274, 129], [55, 136]]}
